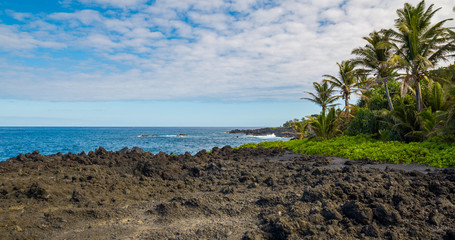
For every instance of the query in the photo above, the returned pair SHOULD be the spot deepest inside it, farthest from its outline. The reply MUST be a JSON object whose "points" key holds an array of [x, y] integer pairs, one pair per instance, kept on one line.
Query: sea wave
{"points": [[270, 136], [172, 136]]}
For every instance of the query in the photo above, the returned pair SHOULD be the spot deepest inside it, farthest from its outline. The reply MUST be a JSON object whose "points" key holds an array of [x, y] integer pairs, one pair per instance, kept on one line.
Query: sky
{"points": [[176, 62]]}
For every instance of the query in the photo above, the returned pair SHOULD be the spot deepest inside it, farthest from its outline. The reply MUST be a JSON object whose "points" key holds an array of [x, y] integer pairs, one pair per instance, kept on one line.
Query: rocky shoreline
{"points": [[279, 132], [225, 194]]}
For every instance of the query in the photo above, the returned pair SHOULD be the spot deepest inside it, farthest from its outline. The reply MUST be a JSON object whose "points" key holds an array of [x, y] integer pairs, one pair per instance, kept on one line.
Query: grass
{"points": [[431, 152]]}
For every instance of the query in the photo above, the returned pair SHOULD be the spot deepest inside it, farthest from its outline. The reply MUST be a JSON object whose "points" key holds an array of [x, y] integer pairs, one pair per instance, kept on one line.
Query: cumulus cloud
{"points": [[193, 49], [19, 15], [12, 38], [115, 3], [85, 17]]}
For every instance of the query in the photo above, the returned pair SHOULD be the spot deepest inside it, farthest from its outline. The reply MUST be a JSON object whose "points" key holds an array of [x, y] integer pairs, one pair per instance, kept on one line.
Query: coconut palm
{"points": [[419, 44], [301, 128], [346, 81], [450, 113], [323, 95], [430, 123], [436, 96], [375, 56], [325, 125]]}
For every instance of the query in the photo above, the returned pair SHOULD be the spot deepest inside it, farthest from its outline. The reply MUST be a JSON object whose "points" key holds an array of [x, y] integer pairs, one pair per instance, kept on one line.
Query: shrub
{"points": [[364, 122], [432, 152]]}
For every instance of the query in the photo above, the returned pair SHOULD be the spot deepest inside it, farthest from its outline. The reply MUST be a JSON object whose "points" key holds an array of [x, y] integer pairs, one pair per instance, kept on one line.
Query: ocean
{"points": [[51, 140]]}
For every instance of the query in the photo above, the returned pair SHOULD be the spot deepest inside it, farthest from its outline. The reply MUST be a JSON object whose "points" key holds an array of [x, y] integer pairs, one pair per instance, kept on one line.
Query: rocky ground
{"points": [[225, 194]]}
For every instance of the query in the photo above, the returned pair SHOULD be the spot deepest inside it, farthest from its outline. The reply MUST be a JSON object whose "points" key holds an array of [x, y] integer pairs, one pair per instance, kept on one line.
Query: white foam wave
{"points": [[270, 136], [179, 136]]}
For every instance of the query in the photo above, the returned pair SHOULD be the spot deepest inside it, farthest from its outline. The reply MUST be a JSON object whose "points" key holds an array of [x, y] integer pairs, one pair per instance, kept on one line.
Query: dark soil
{"points": [[226, 194]]}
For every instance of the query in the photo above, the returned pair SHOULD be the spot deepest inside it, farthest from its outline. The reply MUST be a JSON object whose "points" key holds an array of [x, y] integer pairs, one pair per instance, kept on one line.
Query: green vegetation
{"points": [[433, 152], [301, 128], [325, 125], [407, 103], [323, 96], [346, 81], [364, 122]]}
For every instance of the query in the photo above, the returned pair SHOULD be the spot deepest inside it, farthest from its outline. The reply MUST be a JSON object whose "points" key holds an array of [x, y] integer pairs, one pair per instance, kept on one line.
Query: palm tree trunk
{"points": [[346, 104], [419, 96], [388, 95]]}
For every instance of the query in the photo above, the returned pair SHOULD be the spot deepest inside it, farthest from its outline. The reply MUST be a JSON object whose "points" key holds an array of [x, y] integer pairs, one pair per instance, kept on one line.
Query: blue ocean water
{"points": [[50, 140]]}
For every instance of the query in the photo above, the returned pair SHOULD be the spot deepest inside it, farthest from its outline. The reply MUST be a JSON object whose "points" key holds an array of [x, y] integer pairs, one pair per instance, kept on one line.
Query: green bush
{"points": [[364, 122], [432, 152], [388, 135]]}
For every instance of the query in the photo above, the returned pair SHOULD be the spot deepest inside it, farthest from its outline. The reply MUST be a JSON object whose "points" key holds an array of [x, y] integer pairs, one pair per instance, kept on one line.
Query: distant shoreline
{"points": [[279, 132], [49, 140]]}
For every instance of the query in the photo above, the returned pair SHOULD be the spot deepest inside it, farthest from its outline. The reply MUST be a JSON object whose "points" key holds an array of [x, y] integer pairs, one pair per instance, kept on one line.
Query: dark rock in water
{"points": [[279, 132]]}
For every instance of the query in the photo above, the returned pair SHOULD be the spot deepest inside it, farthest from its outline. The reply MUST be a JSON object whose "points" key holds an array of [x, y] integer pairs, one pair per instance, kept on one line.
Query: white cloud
{"points": [[115, 3], [86, 17], [241, 5], [333, 15], [19, 15], [101, 42], [195, 49], [12, 38]]}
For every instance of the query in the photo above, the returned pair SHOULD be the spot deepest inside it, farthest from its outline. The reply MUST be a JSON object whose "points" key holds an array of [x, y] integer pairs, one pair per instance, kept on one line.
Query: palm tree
{"points": [[346, 81], [301, 128], [436, 96], [323, 96], [449, 115], [375, 56], [325, 125], [419, 44]]}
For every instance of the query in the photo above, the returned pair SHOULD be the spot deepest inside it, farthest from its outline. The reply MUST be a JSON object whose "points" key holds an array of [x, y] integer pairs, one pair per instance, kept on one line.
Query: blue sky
{"points": [[175, 62]]}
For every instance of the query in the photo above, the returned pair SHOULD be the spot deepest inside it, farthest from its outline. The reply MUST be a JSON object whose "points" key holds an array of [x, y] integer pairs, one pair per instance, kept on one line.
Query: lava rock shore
{"points": [[223, 194], [279, 132]]}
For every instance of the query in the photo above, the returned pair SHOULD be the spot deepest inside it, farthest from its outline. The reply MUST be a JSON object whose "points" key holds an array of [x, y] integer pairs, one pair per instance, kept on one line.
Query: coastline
{"points": [[228, 193], [50, 140], [278, 132]]}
